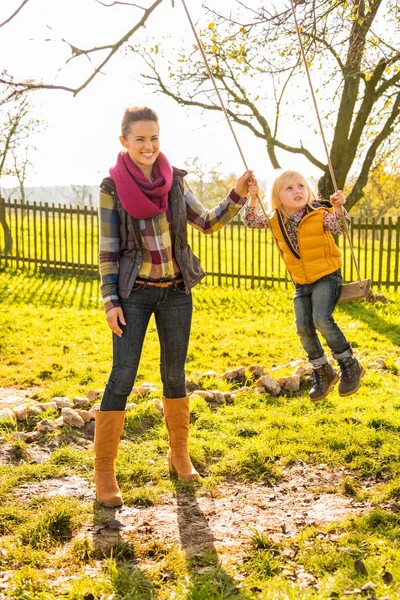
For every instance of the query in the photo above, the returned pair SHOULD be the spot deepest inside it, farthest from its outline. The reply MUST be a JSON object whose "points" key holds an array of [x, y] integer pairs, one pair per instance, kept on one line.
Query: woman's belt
{"points": [[160, 284]]}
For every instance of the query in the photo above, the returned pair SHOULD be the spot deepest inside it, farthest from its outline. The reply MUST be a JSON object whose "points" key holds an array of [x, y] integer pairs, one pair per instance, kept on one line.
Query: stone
{"points": [[296, 363], [130, 406], [379, 363], [218, 397], [45, 426], [308, 367], [260, 389], [93, 395], [143, 390], [204, 394], [270, 385], [62, 402], [227, 396], [59, 421], [20, 435], [2, 439], [34, 411], [48, 405], [257, 371], [209, 373], [80, 402], [6, 414], [158, 406], [33, 436], [85, 414], [289, 384], [300, 370], [94, 409], [71, 417], [245, 389], [21, 412], [190, 386], [237, 374]]}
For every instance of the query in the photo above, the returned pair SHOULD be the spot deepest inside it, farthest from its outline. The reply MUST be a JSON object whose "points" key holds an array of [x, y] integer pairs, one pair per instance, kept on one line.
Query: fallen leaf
{"points": [[360, 567], [387, 577]]}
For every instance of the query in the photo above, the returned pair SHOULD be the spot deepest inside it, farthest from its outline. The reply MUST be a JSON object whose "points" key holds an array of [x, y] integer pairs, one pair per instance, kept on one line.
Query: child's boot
{"points": [[323, 379], [352, 371]]}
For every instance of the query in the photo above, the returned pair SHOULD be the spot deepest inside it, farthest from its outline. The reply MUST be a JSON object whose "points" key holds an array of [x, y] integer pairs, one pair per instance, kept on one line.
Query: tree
{"points": [[255, 59], [208, 185], [105, 52], [17, 125]]}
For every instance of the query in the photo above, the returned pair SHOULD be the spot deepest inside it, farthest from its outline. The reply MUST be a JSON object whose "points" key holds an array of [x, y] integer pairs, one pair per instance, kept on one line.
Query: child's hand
{"points": [[338, 199], [254, 190]]}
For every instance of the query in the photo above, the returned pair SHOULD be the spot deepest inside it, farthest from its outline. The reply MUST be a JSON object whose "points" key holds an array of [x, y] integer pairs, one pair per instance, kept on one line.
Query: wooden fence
{"points": [[64, 239]]}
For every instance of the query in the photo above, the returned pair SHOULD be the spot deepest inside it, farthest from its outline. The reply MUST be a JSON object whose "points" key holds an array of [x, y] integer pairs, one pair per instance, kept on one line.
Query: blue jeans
{"points": [[314, 304], [172, 308]]}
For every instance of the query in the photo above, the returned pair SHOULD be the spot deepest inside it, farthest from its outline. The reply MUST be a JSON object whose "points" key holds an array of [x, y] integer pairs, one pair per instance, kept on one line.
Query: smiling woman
{"points": [[147, 267]]}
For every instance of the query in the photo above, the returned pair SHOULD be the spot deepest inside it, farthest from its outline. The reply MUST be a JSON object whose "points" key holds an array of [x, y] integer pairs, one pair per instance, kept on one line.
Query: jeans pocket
{"points": [[179, 288]]}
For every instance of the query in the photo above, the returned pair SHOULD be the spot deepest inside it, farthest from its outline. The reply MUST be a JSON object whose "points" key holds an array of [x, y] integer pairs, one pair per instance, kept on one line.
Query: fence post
{"points": [[8, 240]]}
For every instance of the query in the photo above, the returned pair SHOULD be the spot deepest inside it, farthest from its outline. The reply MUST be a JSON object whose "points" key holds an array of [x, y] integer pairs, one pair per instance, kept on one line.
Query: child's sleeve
{"points": [[334, 222], [253, 219]]}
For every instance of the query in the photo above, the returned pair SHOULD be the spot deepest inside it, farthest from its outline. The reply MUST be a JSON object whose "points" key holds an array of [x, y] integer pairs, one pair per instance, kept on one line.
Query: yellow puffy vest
{"points": [[318, 254]]}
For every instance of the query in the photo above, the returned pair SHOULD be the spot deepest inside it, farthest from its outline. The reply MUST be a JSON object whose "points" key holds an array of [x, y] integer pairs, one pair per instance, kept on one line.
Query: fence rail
{"points": [[64, 239]]}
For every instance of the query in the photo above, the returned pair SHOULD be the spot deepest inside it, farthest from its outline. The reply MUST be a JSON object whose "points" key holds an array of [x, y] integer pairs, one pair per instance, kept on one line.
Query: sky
{"points": [[81, 142]]}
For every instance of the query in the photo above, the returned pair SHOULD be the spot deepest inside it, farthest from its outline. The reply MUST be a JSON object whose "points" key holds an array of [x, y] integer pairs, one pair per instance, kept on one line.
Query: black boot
{"points": [[323, 379], [352, 372]]}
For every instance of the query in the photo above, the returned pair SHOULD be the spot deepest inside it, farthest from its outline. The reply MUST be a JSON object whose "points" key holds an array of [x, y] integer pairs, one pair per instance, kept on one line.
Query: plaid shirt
{"points": [[155, 239], [332, 222]]}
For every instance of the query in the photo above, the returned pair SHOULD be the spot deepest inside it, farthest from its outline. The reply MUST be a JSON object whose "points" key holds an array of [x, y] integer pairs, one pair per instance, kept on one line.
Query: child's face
{"points": [[294, 194]]}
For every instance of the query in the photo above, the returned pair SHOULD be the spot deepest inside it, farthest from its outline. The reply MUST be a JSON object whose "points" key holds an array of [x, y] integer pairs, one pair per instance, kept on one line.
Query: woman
{"points": [[146, 267]]}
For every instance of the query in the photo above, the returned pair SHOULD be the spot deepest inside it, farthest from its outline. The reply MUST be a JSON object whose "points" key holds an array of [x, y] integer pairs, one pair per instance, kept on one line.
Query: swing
{"points": [[357, 290]]}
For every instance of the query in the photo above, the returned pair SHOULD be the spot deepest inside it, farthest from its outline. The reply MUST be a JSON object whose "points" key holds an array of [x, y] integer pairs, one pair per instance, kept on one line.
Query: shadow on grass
{"points": [[209, 580], [126, 578], [373, 317], [49, 290]]}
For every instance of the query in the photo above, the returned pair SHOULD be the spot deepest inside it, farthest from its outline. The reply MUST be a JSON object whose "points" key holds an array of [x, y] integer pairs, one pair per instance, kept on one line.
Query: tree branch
{"points": [[356, 192], [123, 3], [113, 49], [14, 14]]}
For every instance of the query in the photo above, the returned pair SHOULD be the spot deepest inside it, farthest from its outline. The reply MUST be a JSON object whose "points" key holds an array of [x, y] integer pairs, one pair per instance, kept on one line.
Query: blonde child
{"points": [[302, 225]]}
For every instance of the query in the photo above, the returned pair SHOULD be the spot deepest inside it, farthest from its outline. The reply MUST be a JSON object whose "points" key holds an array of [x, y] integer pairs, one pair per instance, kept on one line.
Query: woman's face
{"points": [[142, 143], [294, 194]]}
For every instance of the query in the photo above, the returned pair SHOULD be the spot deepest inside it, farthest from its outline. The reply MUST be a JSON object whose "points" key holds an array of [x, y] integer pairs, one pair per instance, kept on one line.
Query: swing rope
{"points": [[372, 297], [332, 173]]}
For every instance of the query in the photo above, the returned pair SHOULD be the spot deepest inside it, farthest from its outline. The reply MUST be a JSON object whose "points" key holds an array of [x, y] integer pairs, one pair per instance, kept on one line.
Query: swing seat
{"points": [[358, 290]]}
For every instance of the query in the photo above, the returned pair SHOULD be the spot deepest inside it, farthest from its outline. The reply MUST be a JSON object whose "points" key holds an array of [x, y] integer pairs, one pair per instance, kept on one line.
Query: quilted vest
{"points": [[318, 254], [130, 249]]}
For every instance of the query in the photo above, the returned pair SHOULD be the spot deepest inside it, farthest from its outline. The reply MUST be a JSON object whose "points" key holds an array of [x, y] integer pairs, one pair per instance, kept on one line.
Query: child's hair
{"points": [[273, 199], [136, 113]]}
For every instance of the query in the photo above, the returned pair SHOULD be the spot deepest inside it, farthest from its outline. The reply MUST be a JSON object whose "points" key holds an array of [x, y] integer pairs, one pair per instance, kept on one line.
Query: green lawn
{"points": [[54, 337]]}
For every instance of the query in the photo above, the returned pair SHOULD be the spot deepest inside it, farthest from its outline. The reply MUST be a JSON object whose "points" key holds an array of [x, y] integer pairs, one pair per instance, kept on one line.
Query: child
{"points": [[303, 226]]}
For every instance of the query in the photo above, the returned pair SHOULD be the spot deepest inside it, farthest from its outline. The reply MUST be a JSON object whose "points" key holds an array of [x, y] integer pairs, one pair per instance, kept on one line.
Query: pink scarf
{"points": [[141, 198]]}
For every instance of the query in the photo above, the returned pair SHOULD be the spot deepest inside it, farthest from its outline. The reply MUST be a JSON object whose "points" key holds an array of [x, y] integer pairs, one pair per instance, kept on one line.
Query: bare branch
{"points": [[123, 3], [14, 14], [78, 52]]}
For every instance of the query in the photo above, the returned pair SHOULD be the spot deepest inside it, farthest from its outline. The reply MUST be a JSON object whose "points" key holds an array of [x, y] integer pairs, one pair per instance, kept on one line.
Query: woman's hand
{"points": [[114, 317], [242, 184], [337, 200]]}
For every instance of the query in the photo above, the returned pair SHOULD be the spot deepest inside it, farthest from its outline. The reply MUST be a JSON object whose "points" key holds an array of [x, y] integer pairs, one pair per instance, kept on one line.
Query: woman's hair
{"points": [[136, 113], [274, 201]]}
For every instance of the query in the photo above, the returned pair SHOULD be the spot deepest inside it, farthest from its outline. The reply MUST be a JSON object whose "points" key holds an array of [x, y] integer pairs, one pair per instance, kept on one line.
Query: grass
{"points": [[56, 340]]}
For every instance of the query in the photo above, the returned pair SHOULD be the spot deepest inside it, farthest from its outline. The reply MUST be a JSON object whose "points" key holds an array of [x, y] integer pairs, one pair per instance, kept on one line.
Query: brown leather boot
{"points": [[176, 414], [108, 430]]}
